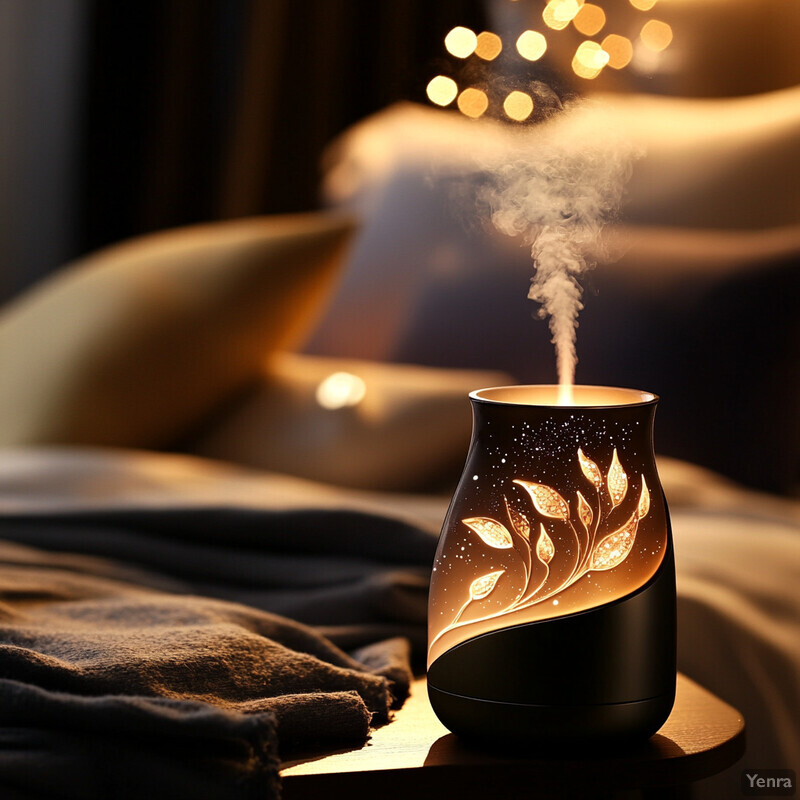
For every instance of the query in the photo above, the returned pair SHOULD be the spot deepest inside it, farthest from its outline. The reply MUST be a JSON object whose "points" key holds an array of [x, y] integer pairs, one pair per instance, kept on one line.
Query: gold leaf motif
{"points": [[546, 500], [545, 549], [520, 522], [493, 533], [617, 481], [644, 500], [585, 511], [483, 586], [590, 469], [613, 549]]}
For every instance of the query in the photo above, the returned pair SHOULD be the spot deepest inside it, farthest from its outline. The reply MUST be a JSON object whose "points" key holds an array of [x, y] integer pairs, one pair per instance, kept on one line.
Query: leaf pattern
{"points": [[617, 481], [644, 500], [606, 554], [590, 470], [585, 512], [545, 549], [484, 586], [493, 533], [613, 549], [520, 522], [547, 501]]}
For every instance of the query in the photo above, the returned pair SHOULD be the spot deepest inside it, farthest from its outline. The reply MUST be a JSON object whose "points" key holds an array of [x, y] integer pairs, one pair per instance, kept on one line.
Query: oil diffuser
{"points": [[551, 615]]}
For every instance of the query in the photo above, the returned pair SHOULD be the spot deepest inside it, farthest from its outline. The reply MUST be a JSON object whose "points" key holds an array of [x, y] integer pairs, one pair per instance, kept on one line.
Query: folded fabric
{"points": [[362, 574], [89, 653], [66, 746], [130, 661]]}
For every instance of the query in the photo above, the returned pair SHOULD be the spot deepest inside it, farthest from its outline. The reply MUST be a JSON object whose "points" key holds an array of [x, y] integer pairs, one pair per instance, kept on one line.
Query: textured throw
{"points": [[141, 654]]}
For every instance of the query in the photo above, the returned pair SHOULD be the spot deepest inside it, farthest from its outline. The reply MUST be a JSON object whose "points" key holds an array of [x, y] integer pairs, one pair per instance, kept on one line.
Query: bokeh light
{"points": [[461, 42], [656, 35], [590, 19], [531, 45], [518, 106], [340, 390], [558, 14], [589, 60], [619, 49], [473, 102], [441, 90], [489, 46]]}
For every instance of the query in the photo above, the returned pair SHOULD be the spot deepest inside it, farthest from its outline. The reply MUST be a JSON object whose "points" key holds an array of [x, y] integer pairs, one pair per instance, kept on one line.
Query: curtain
{"points": [[204, 109]]}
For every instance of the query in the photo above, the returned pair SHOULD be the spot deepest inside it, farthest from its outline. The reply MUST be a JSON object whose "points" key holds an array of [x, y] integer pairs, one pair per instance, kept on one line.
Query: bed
{"points": [[210, 565]]}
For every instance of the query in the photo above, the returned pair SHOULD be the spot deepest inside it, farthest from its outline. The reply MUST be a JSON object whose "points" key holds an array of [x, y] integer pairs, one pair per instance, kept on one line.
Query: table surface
{"points": [[415, 756]]}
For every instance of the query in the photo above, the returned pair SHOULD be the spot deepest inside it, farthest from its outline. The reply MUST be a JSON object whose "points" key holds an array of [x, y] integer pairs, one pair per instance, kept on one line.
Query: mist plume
{"points": [[556, 186]]}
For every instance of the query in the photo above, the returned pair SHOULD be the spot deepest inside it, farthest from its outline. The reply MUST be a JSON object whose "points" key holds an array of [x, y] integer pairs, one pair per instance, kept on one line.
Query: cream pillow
{"points": [[131, 346], [362, 424]]}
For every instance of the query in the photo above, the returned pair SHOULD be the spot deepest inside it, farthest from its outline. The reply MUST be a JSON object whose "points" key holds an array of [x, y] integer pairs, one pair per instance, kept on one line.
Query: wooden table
{"points": [[415, 757]]}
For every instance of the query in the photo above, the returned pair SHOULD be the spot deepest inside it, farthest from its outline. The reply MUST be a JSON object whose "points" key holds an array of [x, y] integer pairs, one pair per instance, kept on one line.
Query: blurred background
{"points": [[120, 117]]}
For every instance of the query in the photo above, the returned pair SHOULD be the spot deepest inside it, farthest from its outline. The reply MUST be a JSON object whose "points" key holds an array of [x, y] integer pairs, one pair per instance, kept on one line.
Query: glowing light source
{"points": [[589, 60], [619, 49], [558, 14], [473, 102], [590, 19], [461, 42], [518, 105], [531, 45], [593, 553], [489, 46], [565, 533], [656, 35], [441, 90], [341, 389]]}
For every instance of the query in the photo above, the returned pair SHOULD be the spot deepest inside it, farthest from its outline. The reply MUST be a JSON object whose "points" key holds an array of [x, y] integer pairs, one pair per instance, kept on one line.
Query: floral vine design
{"points": [[585, 523]]}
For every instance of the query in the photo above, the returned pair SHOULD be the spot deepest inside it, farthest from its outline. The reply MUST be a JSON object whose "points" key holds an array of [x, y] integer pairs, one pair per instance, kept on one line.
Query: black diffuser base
{"points": [[599, 677], [489, 723]]}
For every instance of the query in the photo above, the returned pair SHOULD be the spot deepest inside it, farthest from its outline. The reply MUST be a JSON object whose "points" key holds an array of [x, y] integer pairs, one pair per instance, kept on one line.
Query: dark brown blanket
{"points": [[141, 655]]}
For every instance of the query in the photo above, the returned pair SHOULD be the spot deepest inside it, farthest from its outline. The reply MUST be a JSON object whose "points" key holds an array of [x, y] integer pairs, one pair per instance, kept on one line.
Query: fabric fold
{"points": [[115, 668], [71, 747]]}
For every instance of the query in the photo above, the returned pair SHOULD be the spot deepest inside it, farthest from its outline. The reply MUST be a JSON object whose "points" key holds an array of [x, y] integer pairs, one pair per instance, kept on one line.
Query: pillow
{"points": [[362, 424], [694, 305], [133, 345]]}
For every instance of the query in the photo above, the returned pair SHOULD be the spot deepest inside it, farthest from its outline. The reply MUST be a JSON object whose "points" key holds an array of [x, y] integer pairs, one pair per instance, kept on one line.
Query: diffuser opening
{"points": [[549, 395]]}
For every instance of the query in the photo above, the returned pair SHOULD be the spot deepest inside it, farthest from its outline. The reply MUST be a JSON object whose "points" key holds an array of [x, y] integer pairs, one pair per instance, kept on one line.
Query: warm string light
{"points": [[489, 46], [531, 45], [615, 50], [518, 106], [473, 102], [656, 35], [590, 20]]}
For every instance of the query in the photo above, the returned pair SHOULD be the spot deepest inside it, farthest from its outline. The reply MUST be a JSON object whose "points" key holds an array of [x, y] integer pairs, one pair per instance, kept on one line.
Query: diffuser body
{"points": [[552, 601]]}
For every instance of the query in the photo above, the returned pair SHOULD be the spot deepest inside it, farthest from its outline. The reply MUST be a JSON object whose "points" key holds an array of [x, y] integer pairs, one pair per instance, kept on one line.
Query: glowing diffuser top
{"points": [[559, 510]]}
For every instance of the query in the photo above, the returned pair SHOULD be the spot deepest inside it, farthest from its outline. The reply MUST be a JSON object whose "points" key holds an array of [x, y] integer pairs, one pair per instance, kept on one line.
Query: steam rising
{"points": [[556, 186]]}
